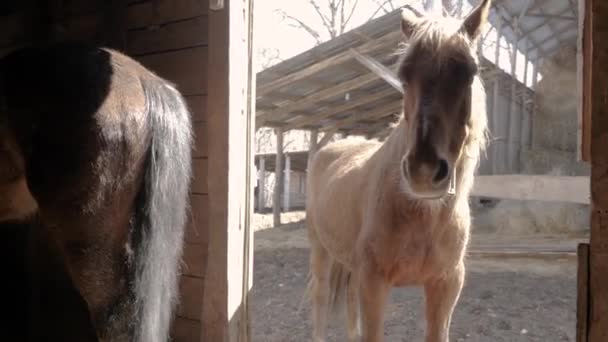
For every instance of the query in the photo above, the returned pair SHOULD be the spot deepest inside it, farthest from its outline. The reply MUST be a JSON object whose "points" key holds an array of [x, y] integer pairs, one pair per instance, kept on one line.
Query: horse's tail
{"points": [[165, 206], [339, 284]]}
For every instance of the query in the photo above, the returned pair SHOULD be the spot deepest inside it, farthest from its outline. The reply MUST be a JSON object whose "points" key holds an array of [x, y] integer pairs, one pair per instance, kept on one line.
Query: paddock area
{"points": [[528, 296]]}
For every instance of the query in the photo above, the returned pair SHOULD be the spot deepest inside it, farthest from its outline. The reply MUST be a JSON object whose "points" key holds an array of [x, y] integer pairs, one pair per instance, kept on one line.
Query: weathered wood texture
{"points": [[582, 300], [584, 80], [598, 266], [230, 123]]}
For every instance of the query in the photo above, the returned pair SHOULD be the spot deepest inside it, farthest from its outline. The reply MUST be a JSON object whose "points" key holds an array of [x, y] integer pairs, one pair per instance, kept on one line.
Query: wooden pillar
{"points": [[231, 123], [262, 185], [598, 249], [278, 179], [312, 145], [287, 185]]}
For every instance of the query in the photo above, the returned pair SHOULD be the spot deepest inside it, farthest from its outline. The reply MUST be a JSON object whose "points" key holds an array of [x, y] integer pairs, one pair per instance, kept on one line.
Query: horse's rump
{"points": [[107, 151]]}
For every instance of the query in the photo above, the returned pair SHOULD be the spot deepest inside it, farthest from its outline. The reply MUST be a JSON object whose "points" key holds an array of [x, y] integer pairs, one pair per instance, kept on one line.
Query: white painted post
{"points": [[287, 187], [262, 185]]}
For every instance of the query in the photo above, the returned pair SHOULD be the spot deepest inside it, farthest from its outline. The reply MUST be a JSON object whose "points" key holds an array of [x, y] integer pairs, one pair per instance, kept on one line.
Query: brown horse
{"points": [[396, 213], [95, 168]]}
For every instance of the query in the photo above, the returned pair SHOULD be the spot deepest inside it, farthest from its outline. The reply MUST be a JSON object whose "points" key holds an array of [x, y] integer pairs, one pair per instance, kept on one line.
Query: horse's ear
{"points": [[409, 21], [476, 20]]}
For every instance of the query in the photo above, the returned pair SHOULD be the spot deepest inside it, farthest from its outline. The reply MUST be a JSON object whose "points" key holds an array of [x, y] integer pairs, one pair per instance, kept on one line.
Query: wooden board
{"points": [[200, 171], [533, 188], [196, 232], [582, 297], [174, 36], [186, 330], [190, 289], [228, 277], [584, 55], [185, 68], [194, 259], [598, 266], [198, 107], [158, 12]]}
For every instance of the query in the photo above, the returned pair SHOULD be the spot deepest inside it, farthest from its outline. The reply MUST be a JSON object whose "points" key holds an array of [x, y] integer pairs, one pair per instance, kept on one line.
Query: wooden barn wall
{"points": [[167, 36]]}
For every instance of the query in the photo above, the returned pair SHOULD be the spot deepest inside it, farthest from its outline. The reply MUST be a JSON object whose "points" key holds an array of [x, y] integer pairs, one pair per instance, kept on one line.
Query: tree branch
{"points": [[380, 8], [299, 23], [350, 15], [324, 19]]}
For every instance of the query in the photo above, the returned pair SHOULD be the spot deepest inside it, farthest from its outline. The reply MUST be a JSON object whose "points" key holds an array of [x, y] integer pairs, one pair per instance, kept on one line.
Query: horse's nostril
{"points": [[442, 171]]}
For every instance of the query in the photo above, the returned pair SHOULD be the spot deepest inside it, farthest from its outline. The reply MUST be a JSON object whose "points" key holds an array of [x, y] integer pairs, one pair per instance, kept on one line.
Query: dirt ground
{"points": [[504, 300]]}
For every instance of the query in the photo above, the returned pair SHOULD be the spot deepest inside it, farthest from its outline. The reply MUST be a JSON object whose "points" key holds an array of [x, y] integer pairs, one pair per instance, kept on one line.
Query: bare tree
{"points": [[335, 16]]}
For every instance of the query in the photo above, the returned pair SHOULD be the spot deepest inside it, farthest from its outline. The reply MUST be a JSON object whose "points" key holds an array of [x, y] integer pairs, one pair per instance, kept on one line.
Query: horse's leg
{"points": [[373, 292], [441, 297], [353, 321], [320, 266]]}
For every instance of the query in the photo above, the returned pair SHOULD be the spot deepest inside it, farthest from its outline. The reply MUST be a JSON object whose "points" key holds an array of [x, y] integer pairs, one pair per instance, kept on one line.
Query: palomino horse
{"points": [[95, 169], [396, 213]]}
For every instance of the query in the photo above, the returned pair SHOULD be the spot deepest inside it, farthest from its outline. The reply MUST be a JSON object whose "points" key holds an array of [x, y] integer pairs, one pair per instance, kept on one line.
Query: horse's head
{"points": [[438, 71]]}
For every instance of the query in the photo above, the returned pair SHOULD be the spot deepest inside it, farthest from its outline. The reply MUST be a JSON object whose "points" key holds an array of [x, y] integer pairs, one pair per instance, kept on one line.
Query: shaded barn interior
{"points": [[170, 38]]}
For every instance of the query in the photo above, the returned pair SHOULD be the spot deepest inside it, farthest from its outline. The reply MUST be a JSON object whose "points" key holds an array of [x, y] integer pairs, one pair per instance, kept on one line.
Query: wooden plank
{"points": [[186, 330], [584, 55], [582, 298], [353, 103], [278, 179], [191, 301], [390, 39], [598, 267], [197, 228], [384, 110], [198, 106], [379, 69], [230, 126], [85, 27], [194, 261], [200, 139], [570, 189], [162, 11], [199, 181], [318, 96], [186, 68], [178, 35]]}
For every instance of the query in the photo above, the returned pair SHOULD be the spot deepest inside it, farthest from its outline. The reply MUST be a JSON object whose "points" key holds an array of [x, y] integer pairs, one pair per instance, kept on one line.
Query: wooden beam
{"points": [[286, 187], [582, 293], [262, 184], [388, 40], [379, 69], [278, 179], [316, 97], [568, 189], [313, 146], [598, 266], [316, 118], [227, 279], [384, 110]]}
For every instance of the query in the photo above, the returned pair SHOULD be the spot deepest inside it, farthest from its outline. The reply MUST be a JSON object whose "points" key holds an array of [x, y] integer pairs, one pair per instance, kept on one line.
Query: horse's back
{"points": [[336, 194]]}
